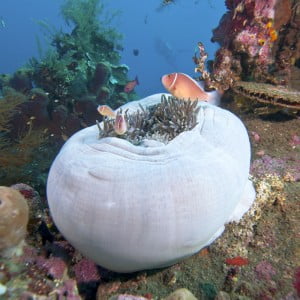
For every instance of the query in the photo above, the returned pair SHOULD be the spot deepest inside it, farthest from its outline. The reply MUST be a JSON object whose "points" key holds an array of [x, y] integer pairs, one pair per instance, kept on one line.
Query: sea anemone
{"points": [[162, 121]]}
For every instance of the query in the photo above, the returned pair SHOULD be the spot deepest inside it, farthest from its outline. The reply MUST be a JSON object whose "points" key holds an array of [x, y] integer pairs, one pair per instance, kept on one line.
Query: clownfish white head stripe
{"points": [[174, 81], [182, 86]]}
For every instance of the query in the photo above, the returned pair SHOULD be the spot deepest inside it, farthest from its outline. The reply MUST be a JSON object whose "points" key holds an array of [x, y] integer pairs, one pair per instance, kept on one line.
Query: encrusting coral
{"points": [[14, 214], [239, 235], [162, 122]]}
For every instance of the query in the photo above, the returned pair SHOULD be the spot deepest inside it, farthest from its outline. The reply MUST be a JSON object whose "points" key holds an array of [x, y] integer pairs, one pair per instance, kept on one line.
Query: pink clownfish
{"points": [[106, 111], [183, 86], [120, 125]]}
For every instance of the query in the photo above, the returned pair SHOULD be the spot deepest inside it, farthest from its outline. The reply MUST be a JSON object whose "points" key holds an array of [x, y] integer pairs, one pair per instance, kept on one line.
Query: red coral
{"points": [[27, 191], [27, 194], [237, 261]]}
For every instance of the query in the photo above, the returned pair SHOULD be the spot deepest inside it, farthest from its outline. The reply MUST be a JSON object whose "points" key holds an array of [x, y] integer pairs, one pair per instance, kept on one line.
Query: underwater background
{"points": [[61, 60], [164, 34]]}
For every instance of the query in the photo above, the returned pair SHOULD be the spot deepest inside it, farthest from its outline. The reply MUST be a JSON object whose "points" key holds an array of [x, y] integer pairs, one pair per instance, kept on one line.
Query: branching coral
{"points": [[160, 122], [83, 14], [224, 69]]}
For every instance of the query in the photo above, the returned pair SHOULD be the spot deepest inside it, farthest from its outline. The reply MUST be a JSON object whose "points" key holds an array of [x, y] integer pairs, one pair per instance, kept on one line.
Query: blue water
{"points": [[165, 37]]}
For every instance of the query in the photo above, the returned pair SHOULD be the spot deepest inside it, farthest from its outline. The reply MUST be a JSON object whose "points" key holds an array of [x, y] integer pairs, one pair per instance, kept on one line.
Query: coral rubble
{"points": [[269, 189]]}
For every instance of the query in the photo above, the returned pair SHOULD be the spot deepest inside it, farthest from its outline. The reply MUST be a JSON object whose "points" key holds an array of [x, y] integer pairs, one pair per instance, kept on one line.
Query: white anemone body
{"points": [[131, 207]]}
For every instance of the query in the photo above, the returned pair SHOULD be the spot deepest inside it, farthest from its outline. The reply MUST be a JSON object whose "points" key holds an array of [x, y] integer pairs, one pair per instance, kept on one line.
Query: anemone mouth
{"points": [[160, 122]]}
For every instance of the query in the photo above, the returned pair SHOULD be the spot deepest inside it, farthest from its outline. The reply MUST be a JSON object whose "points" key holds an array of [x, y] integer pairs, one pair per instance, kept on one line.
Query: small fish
{"points": [[2, 22], [237, 261], [183, 86], [164, 4], [106, 111], [120, 125], [135, 52], [167, 2], [146, 19], [131, 85]]}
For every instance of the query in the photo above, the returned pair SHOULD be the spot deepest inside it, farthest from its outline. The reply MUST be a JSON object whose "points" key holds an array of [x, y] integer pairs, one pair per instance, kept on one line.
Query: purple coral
{"points": [[130, 297], [264, 9], [276, 166], [243, 15], [295, 140], [68, 291], [54, 266], [248, 32], [267, 165], [265, 270], [86, 271]]}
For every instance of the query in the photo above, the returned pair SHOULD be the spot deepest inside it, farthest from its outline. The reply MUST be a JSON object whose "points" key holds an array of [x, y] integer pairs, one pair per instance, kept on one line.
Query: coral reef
{"points": [[45, 102], [259, 42], [13, 219], [84, 62], [257, 258], [258, 34], [161, 122]]}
